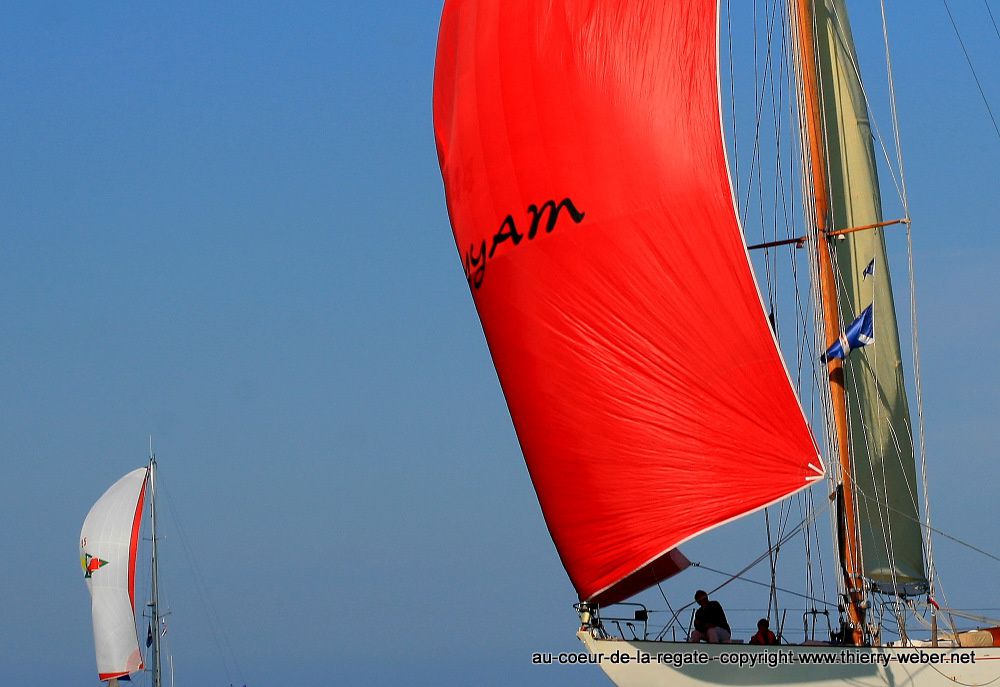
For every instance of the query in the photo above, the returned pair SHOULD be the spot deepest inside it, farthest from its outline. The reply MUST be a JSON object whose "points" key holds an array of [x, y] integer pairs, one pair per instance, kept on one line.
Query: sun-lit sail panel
{"points": [[881, 438], [587, 186], [108, 543]]}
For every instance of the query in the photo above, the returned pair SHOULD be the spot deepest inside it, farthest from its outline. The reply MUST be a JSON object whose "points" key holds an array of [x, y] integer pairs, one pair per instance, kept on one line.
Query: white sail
{"points": [[108, 543]]}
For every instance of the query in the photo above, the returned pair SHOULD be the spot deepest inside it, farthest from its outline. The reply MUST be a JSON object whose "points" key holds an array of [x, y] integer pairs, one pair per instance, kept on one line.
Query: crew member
{"points": [[710, 624], [764, 634]]}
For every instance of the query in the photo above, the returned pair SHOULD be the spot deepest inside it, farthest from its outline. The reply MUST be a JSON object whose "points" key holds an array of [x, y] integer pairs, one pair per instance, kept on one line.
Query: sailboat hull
{"points": [[656, 664]]}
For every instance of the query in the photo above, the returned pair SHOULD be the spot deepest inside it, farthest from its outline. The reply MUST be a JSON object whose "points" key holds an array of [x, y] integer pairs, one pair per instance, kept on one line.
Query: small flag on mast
{"points": [[149, 636], [860, 332], [869, 270]]}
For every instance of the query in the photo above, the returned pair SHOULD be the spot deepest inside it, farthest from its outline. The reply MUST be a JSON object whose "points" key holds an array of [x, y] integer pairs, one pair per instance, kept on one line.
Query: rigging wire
{"points": [[739, 576], [884, 520], [992, 19], [845, 300], [972, 68], [804, 312], [938, 531], [898, 183], [732, 104], [914, 339], [758, 106], [673, 616], [216, 627], [973, 616], [749, 566], [821, 381], [775, 80]]}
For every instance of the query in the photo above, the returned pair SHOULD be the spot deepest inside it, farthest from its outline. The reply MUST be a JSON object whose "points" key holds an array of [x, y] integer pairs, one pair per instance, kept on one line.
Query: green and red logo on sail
{"points": [[91, 564]]}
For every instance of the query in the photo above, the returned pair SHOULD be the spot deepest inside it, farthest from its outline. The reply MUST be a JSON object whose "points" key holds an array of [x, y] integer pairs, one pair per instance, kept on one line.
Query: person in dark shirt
{"points": [[710, 624], [764, 634]]}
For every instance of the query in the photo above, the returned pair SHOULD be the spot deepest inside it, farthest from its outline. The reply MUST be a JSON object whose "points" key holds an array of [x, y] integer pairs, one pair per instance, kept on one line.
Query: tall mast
{"points": [[848, 551], [154, 603]]}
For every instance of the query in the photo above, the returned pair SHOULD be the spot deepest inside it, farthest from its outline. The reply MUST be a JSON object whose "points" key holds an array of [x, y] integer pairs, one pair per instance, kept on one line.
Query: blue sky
{"points": [[223, 226]]}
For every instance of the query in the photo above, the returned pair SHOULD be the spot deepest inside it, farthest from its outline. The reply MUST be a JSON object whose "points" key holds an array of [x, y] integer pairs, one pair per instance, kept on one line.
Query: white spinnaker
{"points": [[108, 543]]}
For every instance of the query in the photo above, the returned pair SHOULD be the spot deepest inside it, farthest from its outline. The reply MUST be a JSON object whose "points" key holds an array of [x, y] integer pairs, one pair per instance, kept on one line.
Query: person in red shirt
{"points": [[764, 635]]}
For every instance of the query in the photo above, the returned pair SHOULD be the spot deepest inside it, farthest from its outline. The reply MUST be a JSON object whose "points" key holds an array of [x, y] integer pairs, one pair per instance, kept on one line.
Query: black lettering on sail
{"points": [[510, 233], [553, 215], [477, 261], [547, 215]]}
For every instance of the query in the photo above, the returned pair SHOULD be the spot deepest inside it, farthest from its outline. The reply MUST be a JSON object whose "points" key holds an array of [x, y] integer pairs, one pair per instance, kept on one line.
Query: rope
{"points": [[938, 532], [885, 522], [732, 104], [914, 339], [972, 616], [739, 576], [215, 625], [809, 518], [975, 76], [992, 20], [673, 617]]}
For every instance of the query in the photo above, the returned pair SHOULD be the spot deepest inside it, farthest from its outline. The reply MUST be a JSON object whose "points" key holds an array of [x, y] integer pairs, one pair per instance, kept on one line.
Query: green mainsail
{"points": [[878, 413]]}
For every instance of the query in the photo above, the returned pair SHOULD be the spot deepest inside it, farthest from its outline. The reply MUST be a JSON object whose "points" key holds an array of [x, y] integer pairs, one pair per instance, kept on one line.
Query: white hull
{"points": [[858, 666]]}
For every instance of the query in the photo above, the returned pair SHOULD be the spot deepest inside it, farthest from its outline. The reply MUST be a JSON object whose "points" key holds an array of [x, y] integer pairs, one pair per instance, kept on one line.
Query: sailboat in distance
{"points": [[109, 543], [585, 171]]}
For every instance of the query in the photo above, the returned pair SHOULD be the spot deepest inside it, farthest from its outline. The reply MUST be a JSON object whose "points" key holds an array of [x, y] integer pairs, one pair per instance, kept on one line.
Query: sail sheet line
{"points": [[804, 525], [936, 530], [675, 548], [739, 576], [973, 616]]}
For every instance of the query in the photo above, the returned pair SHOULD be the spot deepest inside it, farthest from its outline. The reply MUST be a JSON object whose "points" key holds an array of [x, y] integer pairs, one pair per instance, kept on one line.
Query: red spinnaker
{"points": [[585, 173]]}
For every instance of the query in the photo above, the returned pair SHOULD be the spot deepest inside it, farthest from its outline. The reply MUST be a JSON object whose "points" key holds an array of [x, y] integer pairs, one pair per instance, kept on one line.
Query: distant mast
{"points": [[155, 601]]}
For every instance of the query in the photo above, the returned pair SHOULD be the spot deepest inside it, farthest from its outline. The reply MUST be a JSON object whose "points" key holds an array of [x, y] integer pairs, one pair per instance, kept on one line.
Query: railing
{"points": [[602, 621], [634, 621]]}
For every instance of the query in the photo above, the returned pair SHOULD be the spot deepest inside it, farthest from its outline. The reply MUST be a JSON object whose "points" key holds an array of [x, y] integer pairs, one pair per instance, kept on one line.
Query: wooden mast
{"points": [[849, 552]]}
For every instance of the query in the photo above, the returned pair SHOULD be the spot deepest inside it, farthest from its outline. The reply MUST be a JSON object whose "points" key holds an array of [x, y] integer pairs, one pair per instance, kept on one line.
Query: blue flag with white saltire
{"points": [[860, 332], [869, 270]]}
